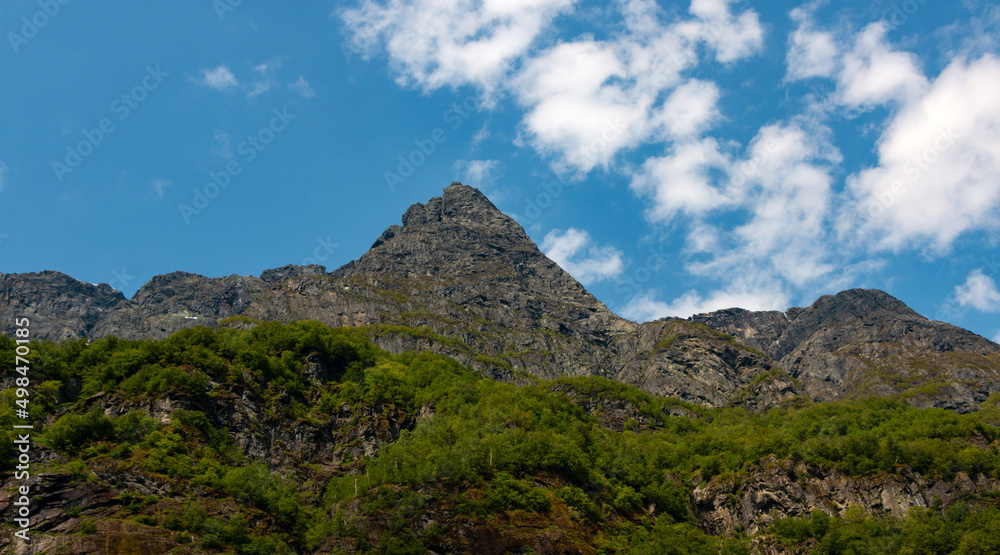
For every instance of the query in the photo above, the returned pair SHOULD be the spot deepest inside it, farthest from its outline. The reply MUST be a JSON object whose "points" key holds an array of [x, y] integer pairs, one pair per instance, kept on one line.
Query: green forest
{"points": [[464, 452]]}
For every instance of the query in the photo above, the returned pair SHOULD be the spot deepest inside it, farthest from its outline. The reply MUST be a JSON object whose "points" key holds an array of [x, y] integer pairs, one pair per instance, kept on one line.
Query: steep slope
{"points": [[457, 277], [59, 306], [863, 342]]}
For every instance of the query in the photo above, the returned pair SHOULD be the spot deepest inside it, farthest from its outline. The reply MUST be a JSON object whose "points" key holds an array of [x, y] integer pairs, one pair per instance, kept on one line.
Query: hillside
{"points": [[461, 278], [453, 390]]}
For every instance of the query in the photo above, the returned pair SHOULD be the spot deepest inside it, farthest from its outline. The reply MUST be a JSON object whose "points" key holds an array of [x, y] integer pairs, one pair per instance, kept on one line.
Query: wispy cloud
{"points": [[979, 292], [223, 144], [159, 186], [219, 78], [575, 252], [260, 87], [3, 172], [482, 174], [302, 87]]}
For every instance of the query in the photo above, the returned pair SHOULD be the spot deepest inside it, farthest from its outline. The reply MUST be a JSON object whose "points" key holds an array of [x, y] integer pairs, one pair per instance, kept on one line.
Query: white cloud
{"points": [[268, 67], [219, 78], [449, 43], [585, 99], [302, 87], [732, 37], [939, 158], [811, 53], [979, 291], [646, 307], [478, 173], [574, 252], [683, 180], [690, 109], [224, 144], [779, 194], [996, 338], [260, 87], [3, 171], [159, 185], [874, 74]]}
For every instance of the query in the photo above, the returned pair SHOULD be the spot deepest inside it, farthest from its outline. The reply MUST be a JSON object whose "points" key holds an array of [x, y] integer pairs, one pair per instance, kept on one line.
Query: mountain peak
{"points": [[458, 203]]}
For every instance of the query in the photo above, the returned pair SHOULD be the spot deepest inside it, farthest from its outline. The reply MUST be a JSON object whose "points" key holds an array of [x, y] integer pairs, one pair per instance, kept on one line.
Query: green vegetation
{"points": [[957, 530], [483, 451]]}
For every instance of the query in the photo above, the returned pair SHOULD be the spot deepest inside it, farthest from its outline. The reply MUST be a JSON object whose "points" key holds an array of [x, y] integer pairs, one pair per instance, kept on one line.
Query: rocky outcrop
{"points": [[461, 278], [862, 342], [58, 306], [781, 488], [172, 302]]}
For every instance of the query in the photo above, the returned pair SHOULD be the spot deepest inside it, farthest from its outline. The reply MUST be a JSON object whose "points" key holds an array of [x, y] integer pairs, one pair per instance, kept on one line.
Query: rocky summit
{"points": [[453, 390], [461, 278]]}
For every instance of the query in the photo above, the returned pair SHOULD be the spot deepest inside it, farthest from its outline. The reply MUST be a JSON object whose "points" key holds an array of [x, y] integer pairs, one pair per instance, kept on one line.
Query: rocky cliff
{"points": [[864, 342], [461, 278]]}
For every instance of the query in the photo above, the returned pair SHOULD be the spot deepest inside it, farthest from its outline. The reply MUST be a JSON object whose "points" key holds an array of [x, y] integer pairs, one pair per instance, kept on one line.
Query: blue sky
{"points": [[674, 157]]}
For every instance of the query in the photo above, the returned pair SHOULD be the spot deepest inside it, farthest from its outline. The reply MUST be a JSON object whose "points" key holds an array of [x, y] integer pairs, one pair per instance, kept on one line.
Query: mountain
{"points": [[865, 342], [461, 278], [307, 411]]}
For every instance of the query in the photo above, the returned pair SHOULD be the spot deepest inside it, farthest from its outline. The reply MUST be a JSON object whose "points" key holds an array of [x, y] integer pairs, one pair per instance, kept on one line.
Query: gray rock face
{"points": [[862, 342], [58, 306], [172, 302], [461, 278], [781, 488]]}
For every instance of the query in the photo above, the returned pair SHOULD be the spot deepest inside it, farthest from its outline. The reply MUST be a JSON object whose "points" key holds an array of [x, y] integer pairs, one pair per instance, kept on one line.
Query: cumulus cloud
{"points": [[690, 109], [779, 193], [585, 99], [979, 292], [219, 78], [646, 307], [683, 180], [575, 252], [996, 338], [874, 74], [731, 36], [449, 43], [938, 161], [811, 53]]}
